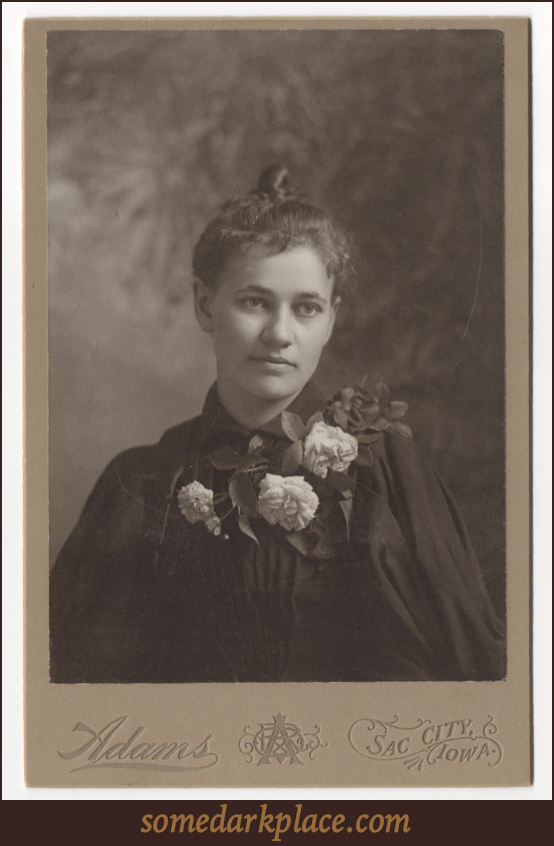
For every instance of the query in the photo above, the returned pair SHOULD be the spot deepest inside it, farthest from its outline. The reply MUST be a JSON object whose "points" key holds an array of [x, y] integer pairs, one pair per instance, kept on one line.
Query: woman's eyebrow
{"points": [[268, 292], [255, 289], [310, 295]]}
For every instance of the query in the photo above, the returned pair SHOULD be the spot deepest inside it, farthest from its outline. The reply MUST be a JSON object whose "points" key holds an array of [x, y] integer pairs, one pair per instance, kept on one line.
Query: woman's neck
{"points": [[250, 411]]}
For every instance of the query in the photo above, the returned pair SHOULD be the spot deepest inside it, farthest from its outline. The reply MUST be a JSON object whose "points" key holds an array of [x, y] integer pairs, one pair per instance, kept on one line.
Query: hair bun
{"points": [[274, 183]]}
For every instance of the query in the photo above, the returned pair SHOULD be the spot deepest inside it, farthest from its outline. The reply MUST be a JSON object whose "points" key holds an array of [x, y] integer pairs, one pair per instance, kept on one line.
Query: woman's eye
{"points": [[308, 309], [253, 302]]}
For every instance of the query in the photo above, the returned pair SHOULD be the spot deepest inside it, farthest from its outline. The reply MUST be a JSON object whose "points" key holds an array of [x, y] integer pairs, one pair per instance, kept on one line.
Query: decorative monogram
{"points": [[279, 741]]}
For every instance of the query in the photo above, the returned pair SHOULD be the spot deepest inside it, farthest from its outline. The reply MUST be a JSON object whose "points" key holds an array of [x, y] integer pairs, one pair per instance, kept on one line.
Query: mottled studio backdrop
{"points": [[400, 133]]}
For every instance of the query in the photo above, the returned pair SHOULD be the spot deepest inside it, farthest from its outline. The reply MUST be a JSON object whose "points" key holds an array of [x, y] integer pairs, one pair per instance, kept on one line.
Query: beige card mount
{"points": [[416, 132]]}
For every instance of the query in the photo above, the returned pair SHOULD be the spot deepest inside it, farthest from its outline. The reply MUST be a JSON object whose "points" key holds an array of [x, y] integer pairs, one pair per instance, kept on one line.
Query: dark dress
{"points": [[138, 594]]}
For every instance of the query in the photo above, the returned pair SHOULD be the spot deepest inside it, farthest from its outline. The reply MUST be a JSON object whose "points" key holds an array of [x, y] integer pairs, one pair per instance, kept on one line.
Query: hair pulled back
{"points": [[277, 217]]}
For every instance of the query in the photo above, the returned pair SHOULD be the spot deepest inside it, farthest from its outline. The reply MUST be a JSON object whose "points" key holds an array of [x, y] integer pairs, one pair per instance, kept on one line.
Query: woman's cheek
{"points": [[232, 325], [314, 338], [248, 326]]}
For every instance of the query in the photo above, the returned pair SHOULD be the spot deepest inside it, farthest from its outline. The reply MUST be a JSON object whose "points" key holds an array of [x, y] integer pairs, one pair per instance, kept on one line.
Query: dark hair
{"points": [[278, 217]]}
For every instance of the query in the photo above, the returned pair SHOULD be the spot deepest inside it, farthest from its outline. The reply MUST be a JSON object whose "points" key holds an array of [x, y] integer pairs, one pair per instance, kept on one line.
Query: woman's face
{"points": [[270, 317]]}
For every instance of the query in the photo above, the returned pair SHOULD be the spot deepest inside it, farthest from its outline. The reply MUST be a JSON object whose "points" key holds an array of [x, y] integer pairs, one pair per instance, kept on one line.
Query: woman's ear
{"points": [[335, 302], [202, 306]]}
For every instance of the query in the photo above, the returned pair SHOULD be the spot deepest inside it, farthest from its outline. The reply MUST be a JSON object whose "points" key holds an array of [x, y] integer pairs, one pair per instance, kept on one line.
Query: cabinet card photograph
{"points": [[277, 291]]}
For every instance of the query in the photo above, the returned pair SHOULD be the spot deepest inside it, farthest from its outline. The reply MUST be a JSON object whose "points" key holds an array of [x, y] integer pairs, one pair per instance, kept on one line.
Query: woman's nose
{"points": [[278, 329]]}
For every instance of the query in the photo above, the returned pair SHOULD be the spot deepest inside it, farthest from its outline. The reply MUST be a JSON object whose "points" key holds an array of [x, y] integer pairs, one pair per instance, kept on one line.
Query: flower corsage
{"points": [[297, 486]]}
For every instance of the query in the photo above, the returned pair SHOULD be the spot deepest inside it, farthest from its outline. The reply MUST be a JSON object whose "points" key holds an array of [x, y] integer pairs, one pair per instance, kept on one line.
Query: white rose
{"points": [[287, 500], [329, 447], [213, 524], [196, 502]]}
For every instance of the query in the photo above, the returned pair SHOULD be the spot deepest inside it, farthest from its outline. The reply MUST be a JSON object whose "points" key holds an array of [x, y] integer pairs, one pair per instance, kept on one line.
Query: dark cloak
{"points": [[139, 594]]}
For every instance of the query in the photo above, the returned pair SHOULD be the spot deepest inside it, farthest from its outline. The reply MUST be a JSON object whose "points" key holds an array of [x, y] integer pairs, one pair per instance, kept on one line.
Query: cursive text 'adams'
{"points": [[136, 751]]}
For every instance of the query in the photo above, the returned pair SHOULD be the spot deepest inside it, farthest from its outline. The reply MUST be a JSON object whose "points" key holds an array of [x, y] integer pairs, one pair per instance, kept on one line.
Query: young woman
{"points": [[276, 537]]}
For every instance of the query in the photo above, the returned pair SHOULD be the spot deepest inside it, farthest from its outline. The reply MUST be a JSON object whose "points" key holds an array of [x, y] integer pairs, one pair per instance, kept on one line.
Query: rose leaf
{"points": [[347, 395], [380, 424], [242, 493], [396, 409], [380, 392], [224, 458], [315, 418], [369, 410], [293, 427], [369, 439], [252, 459], [291, 458], [347, 506], [402, 429], [244, 526]]}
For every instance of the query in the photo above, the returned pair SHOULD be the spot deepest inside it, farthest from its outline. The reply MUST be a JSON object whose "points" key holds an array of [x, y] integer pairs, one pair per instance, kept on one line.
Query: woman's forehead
{"points": [[297, 270]]}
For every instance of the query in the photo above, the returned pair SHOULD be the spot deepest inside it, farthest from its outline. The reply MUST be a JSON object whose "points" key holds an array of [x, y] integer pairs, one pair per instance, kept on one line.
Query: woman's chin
{"points": [[275, 387]]}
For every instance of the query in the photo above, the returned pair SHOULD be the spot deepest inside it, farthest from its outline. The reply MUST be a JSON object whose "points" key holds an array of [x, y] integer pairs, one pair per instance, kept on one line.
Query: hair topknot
{"points": [[274, 183], [276, 216]]}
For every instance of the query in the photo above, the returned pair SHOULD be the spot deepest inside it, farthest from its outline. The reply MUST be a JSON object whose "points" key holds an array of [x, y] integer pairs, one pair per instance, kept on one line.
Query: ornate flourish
{"points": [[314, 743], [246, 745]]}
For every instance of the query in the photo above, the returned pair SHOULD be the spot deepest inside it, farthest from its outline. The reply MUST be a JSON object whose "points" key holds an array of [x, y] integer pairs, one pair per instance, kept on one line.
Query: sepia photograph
{"points": [[277, 381], [285, 249]]}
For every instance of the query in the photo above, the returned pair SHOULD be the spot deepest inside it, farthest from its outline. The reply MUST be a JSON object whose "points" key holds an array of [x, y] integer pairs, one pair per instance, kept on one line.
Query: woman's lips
{"points": [[274, 362]]}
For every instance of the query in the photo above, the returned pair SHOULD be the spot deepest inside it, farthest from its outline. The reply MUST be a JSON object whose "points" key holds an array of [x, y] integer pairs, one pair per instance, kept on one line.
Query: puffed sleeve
{"points": [[100, 579], [428, 614]]}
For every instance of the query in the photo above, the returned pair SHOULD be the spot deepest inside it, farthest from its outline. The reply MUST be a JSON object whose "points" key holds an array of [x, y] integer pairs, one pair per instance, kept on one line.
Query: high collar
{"points": [[216, 420]]}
